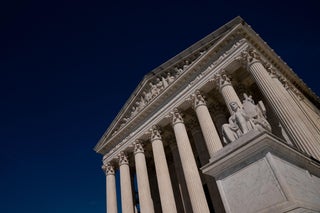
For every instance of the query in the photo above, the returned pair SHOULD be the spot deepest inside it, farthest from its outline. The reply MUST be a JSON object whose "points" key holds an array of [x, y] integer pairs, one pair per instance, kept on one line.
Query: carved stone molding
{"points": [[248, 56], [271, 70]]}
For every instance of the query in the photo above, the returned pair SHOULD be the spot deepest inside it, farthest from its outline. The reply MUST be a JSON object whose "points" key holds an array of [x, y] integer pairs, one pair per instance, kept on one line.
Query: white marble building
{"points": [[224, 126]]}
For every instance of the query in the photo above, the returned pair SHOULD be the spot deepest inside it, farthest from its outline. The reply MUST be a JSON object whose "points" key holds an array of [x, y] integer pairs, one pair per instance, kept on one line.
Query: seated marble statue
{"points": [[237, 124], [256, 113], [244, 119]]}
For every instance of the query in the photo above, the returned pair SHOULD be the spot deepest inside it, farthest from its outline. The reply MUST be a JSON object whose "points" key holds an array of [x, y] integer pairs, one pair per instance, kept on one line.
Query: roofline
{"points": [[215, 35]]}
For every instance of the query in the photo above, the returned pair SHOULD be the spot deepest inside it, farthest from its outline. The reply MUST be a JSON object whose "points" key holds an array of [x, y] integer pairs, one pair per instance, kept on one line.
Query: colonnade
{"points": [[295, 122]]}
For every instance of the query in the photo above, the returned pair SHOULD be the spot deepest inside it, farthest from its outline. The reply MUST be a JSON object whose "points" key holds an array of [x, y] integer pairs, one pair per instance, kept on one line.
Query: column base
{"points": [[261, 173]]}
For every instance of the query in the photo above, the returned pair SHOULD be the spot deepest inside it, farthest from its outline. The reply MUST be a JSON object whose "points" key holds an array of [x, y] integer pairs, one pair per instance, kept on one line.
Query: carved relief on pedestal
{"points": [[250, 116]]}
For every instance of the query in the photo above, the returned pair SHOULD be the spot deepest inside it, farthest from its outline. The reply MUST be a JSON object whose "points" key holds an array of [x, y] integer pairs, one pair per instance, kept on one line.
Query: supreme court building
{"points": [[224, 126]]}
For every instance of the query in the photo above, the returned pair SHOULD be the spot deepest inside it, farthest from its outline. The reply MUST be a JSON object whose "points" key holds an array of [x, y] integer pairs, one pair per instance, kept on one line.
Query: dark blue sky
{"points": [[67, 67]]}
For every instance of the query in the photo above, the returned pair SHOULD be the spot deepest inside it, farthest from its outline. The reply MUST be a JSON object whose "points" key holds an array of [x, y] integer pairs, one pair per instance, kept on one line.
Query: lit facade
{"points": [[224, 126]]}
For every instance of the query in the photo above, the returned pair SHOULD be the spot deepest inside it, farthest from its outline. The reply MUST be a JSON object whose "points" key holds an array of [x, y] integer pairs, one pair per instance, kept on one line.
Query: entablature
{"points": [[180, 76]]}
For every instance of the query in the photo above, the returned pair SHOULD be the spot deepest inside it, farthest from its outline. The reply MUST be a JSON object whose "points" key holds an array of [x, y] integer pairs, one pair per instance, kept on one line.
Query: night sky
{"points": [[67, 68]]}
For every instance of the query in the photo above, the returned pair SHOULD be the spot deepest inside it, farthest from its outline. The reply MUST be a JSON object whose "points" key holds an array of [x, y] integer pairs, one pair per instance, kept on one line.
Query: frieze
{"points": [[155, 88], [199, 78]]}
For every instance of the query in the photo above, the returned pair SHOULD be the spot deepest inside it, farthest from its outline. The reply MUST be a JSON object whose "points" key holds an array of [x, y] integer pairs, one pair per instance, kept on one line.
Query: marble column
{"points": [[180, 185], [312, 119], [145, 199], [227, 91], [209, 131], [204, 157], [291, 97], [165, 187], [111, 188], [275, 94], [125, 184], [189, 166]]}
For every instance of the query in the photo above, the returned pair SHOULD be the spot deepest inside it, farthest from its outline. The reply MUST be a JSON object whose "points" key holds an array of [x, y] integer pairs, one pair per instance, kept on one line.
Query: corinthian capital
{"points": [[197, 99], [271, 70], [176, 116], [108, 169], [123, 158], [223, 79], [155, 133], [138, 146], [248, 56]]}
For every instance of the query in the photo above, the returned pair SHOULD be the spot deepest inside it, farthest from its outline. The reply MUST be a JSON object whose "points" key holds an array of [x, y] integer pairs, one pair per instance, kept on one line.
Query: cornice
{"points": [[207, 55], [162, 114], [193, 53]]}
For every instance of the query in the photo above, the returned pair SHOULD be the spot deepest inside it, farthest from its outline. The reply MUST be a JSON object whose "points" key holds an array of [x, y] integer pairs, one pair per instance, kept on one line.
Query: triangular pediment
{"points": [[163, 82], [162, 78]]}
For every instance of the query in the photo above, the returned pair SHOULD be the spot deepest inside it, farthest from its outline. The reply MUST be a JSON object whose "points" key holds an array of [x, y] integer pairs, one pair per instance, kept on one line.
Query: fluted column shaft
{"points": [[209, 180], [296, 128], [146, 203], [292, 100], [312, 121], [209, 131], [181, 182], [165, 187], [191, 173], [111, 188], [125, 184], [228, 93], [313, 114]]}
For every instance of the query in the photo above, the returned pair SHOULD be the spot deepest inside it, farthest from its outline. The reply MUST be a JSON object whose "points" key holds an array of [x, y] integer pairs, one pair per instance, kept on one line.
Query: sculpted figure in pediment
{"points": [[186, 65], [164, 82], [139, 106], [159, 85], [142, 102], [147, 96], [169, 78], [134, 111], [178, 70], [153, 90]]}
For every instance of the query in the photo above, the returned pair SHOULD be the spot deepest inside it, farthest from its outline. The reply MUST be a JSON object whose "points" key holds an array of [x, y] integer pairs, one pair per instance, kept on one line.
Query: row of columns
{"points": [[189, 166], [291, 118], [302, 133]]}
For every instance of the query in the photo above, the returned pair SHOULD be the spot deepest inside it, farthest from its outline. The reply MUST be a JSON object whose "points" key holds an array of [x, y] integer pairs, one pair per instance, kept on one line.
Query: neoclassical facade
{"points": [[224, 126]]}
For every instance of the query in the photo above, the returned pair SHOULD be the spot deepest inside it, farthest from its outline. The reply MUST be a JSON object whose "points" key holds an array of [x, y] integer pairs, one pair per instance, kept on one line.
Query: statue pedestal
{"points": [[260, 173]]}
